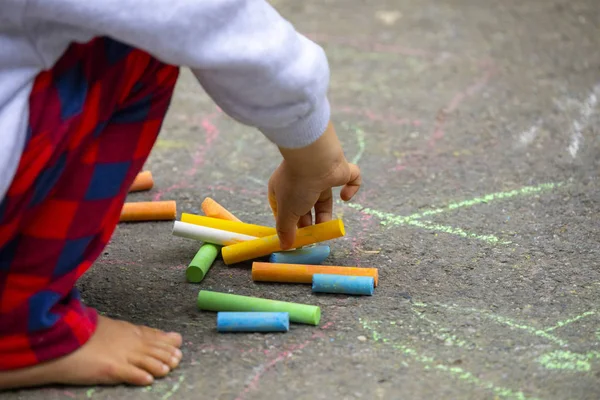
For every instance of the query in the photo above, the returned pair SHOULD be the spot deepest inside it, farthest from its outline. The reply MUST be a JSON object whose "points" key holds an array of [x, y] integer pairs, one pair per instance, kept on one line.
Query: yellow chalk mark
{"points": [[166, 144], [388, 17]]}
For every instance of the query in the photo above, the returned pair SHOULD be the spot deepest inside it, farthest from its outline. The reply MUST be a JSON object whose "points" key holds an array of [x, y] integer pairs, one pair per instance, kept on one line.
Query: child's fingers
{"points": [[324, 207], [350, 189], [286, 228], [305, 220], [272, 199]]}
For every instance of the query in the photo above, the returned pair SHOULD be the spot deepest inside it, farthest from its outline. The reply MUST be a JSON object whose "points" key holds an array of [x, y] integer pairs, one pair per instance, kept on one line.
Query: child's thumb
{"points": [[286, 228]]}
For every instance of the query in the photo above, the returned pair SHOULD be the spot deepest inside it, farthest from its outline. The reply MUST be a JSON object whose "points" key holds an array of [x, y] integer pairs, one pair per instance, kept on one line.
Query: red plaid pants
{"points": [[94, 118]]}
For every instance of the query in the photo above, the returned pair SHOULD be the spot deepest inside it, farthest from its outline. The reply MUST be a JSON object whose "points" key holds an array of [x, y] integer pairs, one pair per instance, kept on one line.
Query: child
{"points": [[84, 88]]}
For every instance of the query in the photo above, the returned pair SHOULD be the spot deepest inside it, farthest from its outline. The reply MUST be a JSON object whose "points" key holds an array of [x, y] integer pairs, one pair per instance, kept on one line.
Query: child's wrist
{"points": [[317, 159]]}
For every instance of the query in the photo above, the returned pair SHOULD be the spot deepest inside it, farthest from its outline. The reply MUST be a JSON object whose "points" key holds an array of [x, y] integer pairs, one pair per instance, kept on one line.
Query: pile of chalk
{"points": [[221, 232]]}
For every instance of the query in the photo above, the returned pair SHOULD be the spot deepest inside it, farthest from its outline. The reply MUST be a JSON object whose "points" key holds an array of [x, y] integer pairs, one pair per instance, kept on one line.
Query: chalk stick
{"points": [[327, 283], [230, 226], [270, 244], [213, 209], [208, 235], [296, 273], [201, 262], [143, 181], [253, 321], [149, 211], [215, 301], [309, 255]]}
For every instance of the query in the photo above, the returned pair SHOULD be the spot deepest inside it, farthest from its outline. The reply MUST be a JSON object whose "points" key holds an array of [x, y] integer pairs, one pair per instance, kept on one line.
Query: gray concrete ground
{"points": [[476, 125]]}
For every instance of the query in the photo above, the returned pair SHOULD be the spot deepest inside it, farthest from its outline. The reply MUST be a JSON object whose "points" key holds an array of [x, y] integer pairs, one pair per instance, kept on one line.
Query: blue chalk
{"points": [[310, 255], [328, 283], [253, 322]]}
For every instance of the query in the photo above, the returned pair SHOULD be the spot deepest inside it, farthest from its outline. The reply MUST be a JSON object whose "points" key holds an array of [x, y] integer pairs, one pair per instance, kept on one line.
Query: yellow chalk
{"points": [[269, 244], [230, 226]]}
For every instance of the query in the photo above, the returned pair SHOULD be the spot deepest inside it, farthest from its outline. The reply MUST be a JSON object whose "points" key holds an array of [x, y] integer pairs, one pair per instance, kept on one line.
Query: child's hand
{"points": [[304, 180]]}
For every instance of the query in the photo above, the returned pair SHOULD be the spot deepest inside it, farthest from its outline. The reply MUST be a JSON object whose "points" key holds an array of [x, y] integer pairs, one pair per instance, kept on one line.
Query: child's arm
{"points": [[254, 65], [249, 59]]}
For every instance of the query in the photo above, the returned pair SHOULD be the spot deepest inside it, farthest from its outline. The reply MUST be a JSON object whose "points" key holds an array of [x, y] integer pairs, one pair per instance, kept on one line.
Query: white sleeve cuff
{"points": [[304, 131]]}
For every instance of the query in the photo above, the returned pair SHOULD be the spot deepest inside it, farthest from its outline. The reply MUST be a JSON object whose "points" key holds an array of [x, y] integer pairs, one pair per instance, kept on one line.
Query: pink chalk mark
{"points": [[365, 221], [372, 116], [365, 45], [438, 130], [118, 262], [443, 114], [399, 167], [232, 189], [209, 347], [263, 369], [327, 325], [211, 134], [161, 193], [199, 157]]}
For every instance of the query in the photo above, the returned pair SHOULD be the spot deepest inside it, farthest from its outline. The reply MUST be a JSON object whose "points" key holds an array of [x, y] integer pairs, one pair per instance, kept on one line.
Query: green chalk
{"points": [[201, 262], [301, 313]]}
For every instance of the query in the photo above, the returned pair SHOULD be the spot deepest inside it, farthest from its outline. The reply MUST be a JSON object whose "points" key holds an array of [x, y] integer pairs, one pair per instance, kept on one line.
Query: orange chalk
{"points": [[270, 244], [149, 211], [299, 273], [213, 209], [143, 181]]}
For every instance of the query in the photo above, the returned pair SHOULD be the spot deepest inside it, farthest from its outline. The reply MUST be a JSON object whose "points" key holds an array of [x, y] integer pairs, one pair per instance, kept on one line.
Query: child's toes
{"points": [[152, 365], [172, 338], [167, 354], [134, 375]]}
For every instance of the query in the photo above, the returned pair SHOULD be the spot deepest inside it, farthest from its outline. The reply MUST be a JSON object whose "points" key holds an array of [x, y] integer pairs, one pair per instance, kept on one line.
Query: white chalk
{"points": [[208, 235], [586, 110]]}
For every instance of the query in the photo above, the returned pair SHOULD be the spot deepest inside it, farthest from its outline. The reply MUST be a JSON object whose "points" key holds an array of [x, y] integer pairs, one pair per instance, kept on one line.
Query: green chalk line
{"points": [[89, 393], [174, 389], [393, 219], [388, 218], [449, 340], [567, 360], [488, 198], [507, 321], [460, 373], [456, 231], [560, 324], [514, 324]]}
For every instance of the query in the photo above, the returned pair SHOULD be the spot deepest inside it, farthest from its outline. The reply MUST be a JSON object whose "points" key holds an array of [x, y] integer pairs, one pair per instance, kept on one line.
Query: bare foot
{"points": [[118, 352]]}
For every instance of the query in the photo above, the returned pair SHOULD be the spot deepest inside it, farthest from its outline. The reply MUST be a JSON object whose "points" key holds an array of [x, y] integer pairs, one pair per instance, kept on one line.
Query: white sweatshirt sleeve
{"points": [[249, 59]]}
